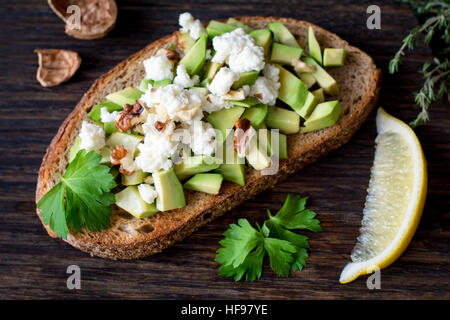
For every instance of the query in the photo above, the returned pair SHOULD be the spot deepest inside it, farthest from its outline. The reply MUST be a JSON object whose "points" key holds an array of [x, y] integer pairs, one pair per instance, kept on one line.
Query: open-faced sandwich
{"points": [[196, 123]]}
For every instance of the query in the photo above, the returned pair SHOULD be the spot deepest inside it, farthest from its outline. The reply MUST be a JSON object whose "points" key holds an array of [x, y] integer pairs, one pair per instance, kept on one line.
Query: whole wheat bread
{"points": [[131, 238]]}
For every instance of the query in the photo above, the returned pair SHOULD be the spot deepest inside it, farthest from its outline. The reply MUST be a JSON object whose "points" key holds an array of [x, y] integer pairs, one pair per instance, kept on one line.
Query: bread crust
{"points": [[130, 238]]}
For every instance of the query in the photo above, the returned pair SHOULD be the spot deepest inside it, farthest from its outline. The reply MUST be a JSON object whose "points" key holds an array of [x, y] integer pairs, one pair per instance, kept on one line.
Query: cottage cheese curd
{"points": [[183, 79], [189, 24], [222, 82], [158, 68], [266, 88], [106, 116], [147, 192], [92, 136], [202, 138]]}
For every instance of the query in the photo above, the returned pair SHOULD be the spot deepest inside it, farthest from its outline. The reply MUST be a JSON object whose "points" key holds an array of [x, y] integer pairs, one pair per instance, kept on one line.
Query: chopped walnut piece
{"points": [[129, 113], [120, 155], [160, 125], [234, 95], [244, 132], [96, 18], [56, 66], [258, 95], [301, 67]]}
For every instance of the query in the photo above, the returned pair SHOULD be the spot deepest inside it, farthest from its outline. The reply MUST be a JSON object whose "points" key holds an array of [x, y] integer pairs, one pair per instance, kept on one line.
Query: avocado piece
{"points": [[211, 69], [257, 155], [313, 46], [194, 165], [204, 83], [292, 90], [194, 60], [246, 78], [129, 141], [282, 144], [185, 41], [105, 152], [325, 81], [246, 103], [284, 54], [205, 182], [334, 57], [287, 121], [201, 90], [233, 171], [125, 96], [307, 78], [238, 24], [320, 96], [143, 85], [74, 149], [95, 114], [263, 38], [256, 114], [110, 127], [324, 115], [224, 120], [169, 189], [133, 179], [130, 200], [160, 83], [282, 34], [308, 107], [216, 28]]}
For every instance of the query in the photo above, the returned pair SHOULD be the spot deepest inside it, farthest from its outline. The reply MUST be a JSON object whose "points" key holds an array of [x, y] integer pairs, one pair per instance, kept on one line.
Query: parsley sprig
{"points": [[244, 247], [81, 198]]}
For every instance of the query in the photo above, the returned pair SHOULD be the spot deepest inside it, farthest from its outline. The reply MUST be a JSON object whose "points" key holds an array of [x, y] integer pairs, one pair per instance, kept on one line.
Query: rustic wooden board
{"points": [[32, 265]]}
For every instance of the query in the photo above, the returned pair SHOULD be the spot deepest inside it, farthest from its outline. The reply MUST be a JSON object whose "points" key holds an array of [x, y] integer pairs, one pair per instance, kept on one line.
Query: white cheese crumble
{"points": [[174, 102], [147, 192], [214, 103], [222, 82], [189, 24], [92, 136], [239, 51], [106, 116], [266, 88], [158, 146], [183, 79], [202, 138], [158, 68]]}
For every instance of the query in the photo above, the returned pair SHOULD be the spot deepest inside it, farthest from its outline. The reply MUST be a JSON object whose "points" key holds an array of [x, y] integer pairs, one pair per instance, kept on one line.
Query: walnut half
{"points": [[56, 66], [130, 112], [120, 155]]}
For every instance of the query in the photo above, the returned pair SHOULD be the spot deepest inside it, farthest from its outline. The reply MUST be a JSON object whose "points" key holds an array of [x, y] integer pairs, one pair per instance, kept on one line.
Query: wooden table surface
{"points": [[33, 265]]}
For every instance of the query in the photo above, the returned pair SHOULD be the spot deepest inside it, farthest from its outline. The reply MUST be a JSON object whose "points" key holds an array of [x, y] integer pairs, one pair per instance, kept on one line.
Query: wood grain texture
{"points": [[32, 265]]}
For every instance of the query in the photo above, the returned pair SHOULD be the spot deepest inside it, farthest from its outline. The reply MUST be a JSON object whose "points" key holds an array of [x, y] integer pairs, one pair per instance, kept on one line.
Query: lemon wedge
{"points": [[395, 199]]}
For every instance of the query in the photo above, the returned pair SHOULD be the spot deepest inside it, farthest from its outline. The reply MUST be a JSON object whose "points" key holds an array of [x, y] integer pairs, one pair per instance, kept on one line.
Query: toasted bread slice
{"points": [[131, 238]]}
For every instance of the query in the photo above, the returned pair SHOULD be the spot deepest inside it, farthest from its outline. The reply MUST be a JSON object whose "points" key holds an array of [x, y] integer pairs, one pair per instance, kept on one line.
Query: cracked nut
{"points": [[244, 132], [130, 112], [120, 156], [96, 18], [56, 66]]}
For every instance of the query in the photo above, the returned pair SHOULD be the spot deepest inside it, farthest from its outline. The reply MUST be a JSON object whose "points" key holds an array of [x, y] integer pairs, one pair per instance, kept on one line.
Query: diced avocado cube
{"points": [[307, 78], [130, 200], [194, 60], [246, 78], [263, 38], [246, 103], [169, 189], [201, 90], [125, 96], [216, 28], [239, 24], [205, 182], [272, 135], [292, 90], [193, 165], [133, 179], [283, 153], [110, 127], [257, 155], [224, 120], [143, 85], [160, 83], [204, 83], [185, 41], [74, 149], [256, 114], [95, 114], [105, 152], [282, 34], [320, 96], [287, 121], [325, 81], [324, 115], [211, 69], [313, 46], [284, 54], [309, 106], [333, 57], [232, 170], [129, 141]]}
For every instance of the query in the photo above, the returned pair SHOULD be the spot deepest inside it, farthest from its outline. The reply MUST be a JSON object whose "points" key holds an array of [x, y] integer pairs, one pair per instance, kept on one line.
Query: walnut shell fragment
{"points": [[86, 19], [56, 66]]}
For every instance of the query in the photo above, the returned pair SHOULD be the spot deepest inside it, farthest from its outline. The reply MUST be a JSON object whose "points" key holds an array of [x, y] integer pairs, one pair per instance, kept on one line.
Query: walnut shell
{"points": [[97, 17], [56, 66]]}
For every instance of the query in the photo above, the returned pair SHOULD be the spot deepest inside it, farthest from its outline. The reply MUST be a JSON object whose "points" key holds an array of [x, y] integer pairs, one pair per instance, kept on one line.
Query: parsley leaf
{"points": [[81, 198], [244, 247]]}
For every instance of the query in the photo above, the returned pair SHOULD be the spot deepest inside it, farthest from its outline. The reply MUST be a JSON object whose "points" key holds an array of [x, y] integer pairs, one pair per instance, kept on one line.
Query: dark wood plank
{"points": [[32, 265]]}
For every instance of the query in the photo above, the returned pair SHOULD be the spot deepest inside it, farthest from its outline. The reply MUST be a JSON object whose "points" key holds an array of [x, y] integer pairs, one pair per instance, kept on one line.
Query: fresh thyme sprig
{"points": [[437, 21]]}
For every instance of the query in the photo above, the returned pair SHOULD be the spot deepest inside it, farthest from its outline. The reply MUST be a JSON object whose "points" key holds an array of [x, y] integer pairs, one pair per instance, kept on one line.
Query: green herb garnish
{"points": [[81, 198], [244, 247]]}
